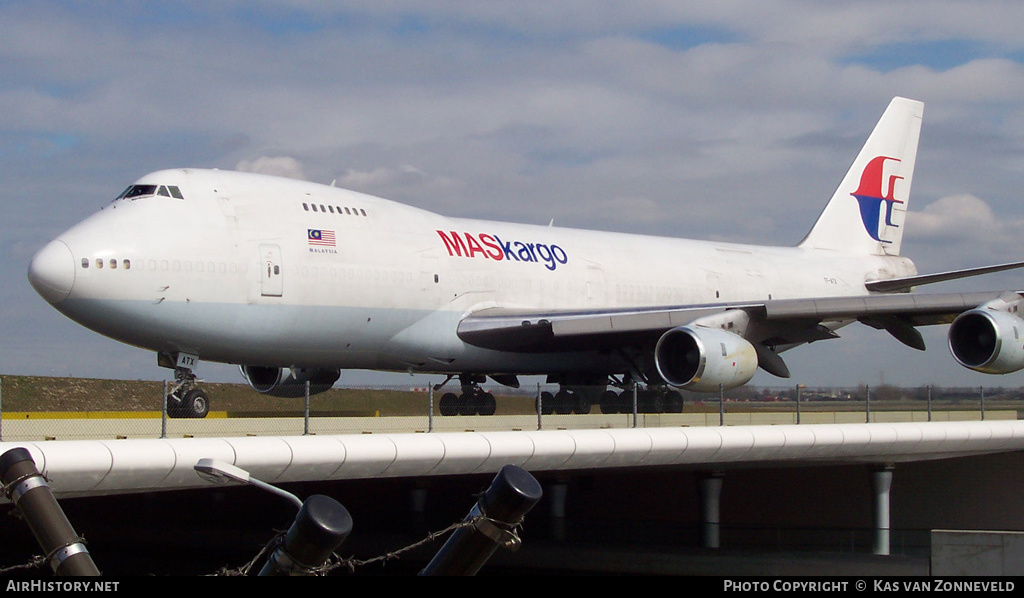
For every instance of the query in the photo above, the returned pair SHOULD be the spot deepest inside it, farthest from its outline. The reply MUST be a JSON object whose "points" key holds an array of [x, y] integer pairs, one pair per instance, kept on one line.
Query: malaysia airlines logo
{"points": [[873, 192]]}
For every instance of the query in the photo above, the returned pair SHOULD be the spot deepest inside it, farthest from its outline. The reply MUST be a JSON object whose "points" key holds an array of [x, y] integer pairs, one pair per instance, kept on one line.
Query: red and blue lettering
{"points": [[487, 246]]}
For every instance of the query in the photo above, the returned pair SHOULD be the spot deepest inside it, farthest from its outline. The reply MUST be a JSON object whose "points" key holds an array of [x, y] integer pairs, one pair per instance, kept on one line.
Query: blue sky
{"points": [[730, 121]]}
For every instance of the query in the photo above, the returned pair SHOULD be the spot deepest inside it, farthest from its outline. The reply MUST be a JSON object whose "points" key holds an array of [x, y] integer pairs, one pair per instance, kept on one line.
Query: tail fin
{"points": [[867, 211]]}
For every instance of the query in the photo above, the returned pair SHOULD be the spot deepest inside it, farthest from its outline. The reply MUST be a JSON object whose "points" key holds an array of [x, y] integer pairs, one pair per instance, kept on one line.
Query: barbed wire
{"points": [[336, 562], [35, 562]]}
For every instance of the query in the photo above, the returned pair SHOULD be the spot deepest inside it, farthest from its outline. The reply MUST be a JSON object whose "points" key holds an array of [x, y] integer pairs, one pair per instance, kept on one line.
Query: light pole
{"points": [[320, 526]]}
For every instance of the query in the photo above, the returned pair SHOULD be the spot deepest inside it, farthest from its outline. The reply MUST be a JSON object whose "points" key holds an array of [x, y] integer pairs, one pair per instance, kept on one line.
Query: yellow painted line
{"points": [[23, 415]]}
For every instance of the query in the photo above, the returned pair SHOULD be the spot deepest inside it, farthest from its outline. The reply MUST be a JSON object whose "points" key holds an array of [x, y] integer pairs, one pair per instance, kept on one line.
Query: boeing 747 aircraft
{"points": [[296, 281]]}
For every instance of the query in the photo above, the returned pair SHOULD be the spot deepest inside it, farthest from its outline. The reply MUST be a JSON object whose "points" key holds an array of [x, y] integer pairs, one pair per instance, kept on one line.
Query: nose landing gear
{"points": [[185, 399]]}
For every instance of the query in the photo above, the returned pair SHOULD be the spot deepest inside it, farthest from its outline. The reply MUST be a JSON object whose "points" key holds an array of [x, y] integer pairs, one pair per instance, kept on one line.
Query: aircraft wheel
{"points": [[449, 404], [195, 404], [174, 408], [609, 402], [650, 402], [625, 401], [581, 404], [673, 402], [488, 405], [467, 404], [563, 402]]}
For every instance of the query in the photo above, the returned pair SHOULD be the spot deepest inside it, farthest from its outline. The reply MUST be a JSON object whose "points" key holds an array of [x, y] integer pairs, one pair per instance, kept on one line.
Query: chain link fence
{"points": [[36, 409]]}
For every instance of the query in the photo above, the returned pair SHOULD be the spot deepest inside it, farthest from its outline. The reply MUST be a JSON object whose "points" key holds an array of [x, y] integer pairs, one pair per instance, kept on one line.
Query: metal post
{"points": [[163, 413], [636, 402], [981, 389], [430, 410], [867, 404], [798, 387], [495, 516], [710, 488], [28, 490], [721, 405], [881, 482], [305, 413], [540, 407], [558, 493], [321, 525], [929, 402]]}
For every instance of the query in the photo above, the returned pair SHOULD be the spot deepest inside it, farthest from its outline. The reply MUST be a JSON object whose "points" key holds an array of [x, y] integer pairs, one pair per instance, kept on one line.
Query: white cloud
{"points": [[955, 216], [277, 165]]}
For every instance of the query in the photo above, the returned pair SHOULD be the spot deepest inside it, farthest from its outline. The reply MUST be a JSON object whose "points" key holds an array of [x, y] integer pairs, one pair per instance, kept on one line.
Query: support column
{"points": [[557, 493], [881, 482], [418, 505], [710, 488]]}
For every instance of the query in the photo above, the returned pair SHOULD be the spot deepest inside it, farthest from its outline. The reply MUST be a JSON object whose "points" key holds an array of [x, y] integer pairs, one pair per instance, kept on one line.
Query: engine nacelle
{"points": [[988, 341], [701, 359], [288, 382]]}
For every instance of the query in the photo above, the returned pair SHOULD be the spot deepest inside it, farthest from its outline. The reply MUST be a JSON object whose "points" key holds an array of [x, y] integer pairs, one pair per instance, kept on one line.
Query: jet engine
{"points": [[701, 359], [289, 382], [988, 341]]}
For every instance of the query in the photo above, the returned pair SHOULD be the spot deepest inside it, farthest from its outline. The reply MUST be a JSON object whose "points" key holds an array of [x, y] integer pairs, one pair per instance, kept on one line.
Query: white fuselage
{"points": [[257, 270]]}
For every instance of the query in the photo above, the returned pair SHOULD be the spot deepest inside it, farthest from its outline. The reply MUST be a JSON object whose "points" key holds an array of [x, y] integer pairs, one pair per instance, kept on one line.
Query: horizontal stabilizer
{"points": [[906, 283]]}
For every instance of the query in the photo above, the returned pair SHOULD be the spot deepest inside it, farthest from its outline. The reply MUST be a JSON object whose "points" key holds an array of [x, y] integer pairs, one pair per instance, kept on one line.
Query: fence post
{"points": [[430, 409], [540, 408], [163, 413], [798, 387], [305, 413], [721, 405], [636, 402], [867, 404], [929, 402], [981, 389]]}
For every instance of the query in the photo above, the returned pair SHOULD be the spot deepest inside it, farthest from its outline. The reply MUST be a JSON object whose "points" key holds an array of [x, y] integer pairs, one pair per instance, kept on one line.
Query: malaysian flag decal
{"points": [[320, 238]]}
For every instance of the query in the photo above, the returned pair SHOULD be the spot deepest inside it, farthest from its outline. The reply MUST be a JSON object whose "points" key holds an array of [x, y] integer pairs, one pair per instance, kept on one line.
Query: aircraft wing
{"points": [[774, 323]]}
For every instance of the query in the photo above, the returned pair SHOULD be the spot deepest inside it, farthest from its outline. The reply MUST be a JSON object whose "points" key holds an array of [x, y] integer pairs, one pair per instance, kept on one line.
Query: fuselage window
{"points": [[99, 264], [113, 264], [347, 212], [323, 209], [305, 206], [331, 208], [127, 264], [85, 262], [338, 208], [314, 208], [363, 212]]}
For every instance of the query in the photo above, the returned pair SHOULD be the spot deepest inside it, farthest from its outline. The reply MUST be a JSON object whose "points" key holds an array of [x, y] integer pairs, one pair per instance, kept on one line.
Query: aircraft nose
{"points": [[52, 272]]}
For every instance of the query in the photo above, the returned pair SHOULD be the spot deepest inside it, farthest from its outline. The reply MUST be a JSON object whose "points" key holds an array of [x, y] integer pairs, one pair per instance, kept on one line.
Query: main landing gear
{"points": [[473, 400], [649, 400], [185, 399], [566, 401]]}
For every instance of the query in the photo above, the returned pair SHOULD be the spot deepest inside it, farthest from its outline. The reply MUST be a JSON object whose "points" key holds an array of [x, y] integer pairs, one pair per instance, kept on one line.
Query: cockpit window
{"points": [[136, 191]]}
